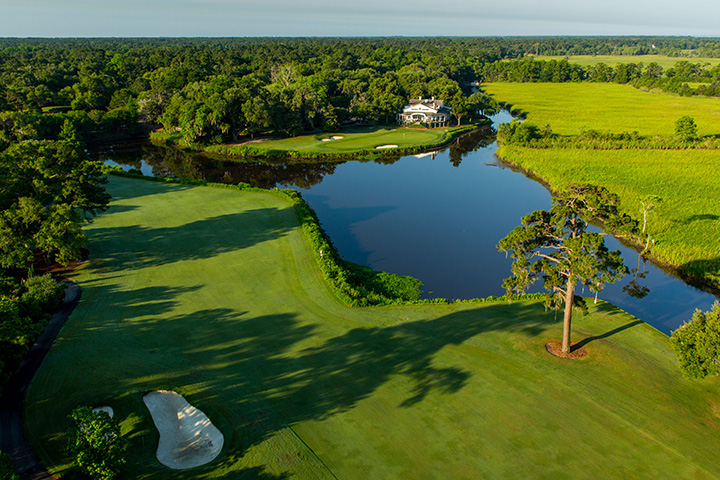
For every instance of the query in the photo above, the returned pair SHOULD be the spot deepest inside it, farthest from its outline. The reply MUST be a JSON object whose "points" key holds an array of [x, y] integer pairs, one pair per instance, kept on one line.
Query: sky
{"points": [[293, 18]]}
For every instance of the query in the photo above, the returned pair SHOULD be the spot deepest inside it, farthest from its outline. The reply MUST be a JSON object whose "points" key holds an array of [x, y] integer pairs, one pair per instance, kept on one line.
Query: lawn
{"points": [[570, 108], [662, 60], [352, 139], [214, 293]]}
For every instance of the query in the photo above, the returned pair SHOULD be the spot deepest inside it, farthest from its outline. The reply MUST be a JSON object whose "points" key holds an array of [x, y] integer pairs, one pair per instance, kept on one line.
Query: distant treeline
{"points": [[676, 79], [215, 89]]}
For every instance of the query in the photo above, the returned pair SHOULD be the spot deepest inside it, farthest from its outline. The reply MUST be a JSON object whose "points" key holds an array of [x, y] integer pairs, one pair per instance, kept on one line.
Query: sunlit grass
{"points": [[359, 138], [611, 60], [570, 108], [686, 223], [213, 293]]}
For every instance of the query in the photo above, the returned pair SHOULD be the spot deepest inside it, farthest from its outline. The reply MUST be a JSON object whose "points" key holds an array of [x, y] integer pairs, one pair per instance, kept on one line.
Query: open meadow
{"points": [[611, 60], [570, 108], [685, 223], [215, 293]]}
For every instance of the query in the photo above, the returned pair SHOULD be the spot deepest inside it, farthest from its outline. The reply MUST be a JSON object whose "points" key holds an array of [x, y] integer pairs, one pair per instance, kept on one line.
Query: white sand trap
{"points": [[336, 137], [187, 436], [385, 146], [325, 139], [105, 408]]}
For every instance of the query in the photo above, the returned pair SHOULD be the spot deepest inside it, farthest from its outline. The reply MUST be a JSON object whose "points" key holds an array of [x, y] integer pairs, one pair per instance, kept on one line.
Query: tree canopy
{"points": [[95, 443], [697, 344], [557, 246]]}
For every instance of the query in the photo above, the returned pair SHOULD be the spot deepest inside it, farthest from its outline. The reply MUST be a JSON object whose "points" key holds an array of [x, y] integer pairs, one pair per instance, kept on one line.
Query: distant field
{"points": [[686, 224], [662, 60], [216, 294], [572, 107]]}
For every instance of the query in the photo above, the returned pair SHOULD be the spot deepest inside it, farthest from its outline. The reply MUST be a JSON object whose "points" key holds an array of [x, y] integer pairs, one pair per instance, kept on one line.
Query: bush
{"points": [[6, 469], [43, 296], [697, 344], [95, 443], [685, 128]]}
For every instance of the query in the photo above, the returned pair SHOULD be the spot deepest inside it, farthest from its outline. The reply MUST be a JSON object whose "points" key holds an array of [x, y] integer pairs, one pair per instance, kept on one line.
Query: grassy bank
{"points": [[346, 143], [226, 305], [570, 108], [685, 224]]}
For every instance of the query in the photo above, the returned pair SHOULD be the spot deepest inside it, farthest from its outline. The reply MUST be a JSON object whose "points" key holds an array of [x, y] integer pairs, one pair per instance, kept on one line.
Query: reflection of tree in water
{"points": [[169, 162], [469, 143], [176, 163]]}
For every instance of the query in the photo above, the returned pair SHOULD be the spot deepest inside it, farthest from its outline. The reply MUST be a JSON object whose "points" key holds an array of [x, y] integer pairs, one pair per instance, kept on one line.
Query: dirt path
{"points": [[12, 439]]}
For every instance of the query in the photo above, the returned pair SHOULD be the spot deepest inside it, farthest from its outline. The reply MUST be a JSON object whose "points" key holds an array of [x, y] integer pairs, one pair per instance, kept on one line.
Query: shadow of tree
{"points": [[259, 366], [610, 333], [700, 217], [145, 246]]}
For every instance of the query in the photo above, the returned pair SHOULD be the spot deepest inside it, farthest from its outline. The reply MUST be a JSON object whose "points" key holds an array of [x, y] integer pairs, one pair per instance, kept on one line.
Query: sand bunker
{"points": [[385, 146], [334, 137], [107, 409], [187, 436]]}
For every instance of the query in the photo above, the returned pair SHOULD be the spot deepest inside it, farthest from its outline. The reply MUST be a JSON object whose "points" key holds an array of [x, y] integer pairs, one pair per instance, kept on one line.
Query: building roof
{"points": [[426, 105]]}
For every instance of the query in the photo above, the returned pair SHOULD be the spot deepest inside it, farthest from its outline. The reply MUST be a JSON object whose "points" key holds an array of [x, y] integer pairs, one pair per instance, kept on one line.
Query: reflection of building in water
{"points": [[427, 154], [430, 112]]}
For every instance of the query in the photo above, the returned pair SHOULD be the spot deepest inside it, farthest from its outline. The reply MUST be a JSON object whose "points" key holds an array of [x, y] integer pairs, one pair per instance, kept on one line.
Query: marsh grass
{"points": [[612, 60], [685, 224], [570, 108]]}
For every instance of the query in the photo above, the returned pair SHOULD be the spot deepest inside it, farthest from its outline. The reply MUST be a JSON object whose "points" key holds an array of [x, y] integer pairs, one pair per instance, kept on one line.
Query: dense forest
{"points": [[214, 90], [55, 94]]}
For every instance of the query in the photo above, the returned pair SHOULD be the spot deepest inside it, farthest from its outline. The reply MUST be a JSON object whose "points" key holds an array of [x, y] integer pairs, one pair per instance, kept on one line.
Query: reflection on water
{"points": [[161, 161], [436, 217]]}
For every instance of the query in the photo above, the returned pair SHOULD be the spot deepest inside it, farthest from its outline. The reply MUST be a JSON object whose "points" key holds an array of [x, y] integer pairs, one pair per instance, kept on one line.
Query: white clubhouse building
{"points": [[426, 111]]}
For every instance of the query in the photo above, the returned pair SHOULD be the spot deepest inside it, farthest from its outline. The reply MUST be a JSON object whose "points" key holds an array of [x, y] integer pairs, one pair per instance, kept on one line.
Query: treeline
{"points": [[214, 90], [525, 134], [676, 79]]}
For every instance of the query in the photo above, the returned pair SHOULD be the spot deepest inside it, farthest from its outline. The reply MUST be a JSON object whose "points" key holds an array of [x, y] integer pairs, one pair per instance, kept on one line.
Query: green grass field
{"points": [[572, 107], [358, 138], [214, 293], [662, 60], [686, 223]]}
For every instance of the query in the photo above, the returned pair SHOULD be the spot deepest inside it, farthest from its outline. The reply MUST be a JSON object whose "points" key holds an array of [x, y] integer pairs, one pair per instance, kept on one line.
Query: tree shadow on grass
{"points": [[144, 246], [263, 368], [607, 334]]}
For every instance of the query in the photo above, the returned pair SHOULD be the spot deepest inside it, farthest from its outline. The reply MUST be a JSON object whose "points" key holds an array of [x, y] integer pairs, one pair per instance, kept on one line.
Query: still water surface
{"points": [[437, 218]]}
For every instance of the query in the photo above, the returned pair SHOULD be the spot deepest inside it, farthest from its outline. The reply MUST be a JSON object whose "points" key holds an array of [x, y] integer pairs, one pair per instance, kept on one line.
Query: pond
{"points": [[435, 217]]}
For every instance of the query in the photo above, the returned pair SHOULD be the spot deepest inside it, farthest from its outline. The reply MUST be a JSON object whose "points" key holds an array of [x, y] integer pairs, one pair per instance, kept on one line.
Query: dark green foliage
{"points": [[6, 469], [556, 246], [685, 128], [47, 190], [95, 443], [697, 344], [518, 132], [24, 308]]}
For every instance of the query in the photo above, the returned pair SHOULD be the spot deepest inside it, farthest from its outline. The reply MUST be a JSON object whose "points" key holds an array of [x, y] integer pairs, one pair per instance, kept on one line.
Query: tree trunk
{"points": [[569, 297]]}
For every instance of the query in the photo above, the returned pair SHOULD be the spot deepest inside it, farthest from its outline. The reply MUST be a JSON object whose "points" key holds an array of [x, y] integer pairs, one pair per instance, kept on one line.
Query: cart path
{"points": [[12, 439]]}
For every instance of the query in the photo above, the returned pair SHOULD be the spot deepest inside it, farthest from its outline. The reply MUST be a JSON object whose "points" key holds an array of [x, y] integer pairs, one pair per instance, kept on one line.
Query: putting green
{"points": [[212, 293]]}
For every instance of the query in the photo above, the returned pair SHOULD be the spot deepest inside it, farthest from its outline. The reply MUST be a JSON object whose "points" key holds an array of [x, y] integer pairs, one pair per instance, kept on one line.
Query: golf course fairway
{"points": [[214, 294]]}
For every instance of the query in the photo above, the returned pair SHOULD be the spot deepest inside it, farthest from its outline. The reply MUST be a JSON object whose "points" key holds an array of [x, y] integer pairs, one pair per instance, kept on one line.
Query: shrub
{"points": [[95, 443], [697, 344], [6, 469], [685, 128]]}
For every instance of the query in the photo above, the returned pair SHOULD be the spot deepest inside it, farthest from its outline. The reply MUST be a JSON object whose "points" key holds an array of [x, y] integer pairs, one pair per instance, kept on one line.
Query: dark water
{"points": [[436, 218]]}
